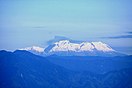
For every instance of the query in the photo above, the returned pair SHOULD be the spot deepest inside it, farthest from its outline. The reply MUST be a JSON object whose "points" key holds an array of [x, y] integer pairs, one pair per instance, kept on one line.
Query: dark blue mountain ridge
{"points": [[95, 64], [22, 69], [26, 70]]}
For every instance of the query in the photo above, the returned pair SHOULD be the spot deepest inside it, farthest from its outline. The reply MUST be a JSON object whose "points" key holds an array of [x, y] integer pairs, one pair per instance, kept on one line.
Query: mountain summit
{"points": [[67, 48], [66, 45], [34, 49]]}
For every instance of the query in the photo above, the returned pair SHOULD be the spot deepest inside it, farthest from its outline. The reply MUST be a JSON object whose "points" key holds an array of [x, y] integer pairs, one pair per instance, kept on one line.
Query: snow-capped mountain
{"points": [[66, 45], [34, 49], [67, 48]]}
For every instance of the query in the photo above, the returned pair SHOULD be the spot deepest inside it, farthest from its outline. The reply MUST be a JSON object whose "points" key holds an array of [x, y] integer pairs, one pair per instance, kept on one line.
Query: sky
{"points": [[25, 23]]}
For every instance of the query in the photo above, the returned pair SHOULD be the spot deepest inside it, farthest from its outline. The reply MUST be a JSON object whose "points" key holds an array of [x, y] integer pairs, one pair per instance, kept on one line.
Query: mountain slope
{"points": [[95, 64], [22, 69]]}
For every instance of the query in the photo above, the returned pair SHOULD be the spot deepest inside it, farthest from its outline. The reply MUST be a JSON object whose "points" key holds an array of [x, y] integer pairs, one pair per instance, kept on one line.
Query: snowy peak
{"points": [[68, 48], [34, 49], [102, 46], [66, 45], [63, 42]]}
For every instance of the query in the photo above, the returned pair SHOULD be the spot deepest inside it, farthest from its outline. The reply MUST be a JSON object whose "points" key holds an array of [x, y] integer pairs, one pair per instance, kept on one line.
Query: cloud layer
{"points": [[128, 35], [121, 36]]}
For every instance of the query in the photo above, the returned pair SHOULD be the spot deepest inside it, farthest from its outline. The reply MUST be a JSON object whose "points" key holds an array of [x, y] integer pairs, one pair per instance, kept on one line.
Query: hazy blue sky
{"points": [[33, 22]]}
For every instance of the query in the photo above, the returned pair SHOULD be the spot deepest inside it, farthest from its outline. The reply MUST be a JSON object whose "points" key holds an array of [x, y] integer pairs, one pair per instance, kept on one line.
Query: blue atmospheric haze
{"points": [[33, 22]]}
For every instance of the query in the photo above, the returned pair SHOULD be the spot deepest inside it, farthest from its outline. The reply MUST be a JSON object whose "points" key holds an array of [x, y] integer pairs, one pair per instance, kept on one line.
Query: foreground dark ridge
{"points": [[22, 69], [94, 64]]}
